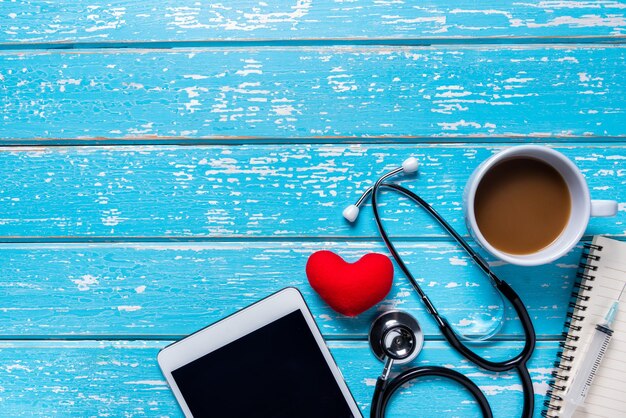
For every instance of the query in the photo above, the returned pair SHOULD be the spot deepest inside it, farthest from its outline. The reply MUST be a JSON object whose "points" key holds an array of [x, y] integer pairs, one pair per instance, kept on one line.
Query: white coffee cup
{"points": [[582, 207]]}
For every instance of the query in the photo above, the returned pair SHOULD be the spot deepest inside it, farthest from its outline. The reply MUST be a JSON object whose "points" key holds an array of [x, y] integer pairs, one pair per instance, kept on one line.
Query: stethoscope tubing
{"points": [[385, 390], [519, 361]]}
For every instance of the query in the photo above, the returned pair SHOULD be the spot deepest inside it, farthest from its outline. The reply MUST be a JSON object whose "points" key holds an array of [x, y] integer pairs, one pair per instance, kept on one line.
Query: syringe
{"points": [[578, 389]]}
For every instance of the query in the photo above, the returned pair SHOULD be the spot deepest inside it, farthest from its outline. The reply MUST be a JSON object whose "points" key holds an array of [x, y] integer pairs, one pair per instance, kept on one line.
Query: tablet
{"points": [[267, 360]]}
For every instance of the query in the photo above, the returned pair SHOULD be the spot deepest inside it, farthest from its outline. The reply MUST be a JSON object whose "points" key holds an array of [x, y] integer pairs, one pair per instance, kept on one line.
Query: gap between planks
{"points": [[176, 337], [7, 241], [485, 142], [97, 48], [451, 139], [504, 41]]}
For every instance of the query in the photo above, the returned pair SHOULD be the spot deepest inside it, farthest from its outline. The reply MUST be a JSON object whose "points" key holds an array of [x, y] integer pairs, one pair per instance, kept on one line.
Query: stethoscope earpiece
{"points": [[396, 335], [409, 166], [351, 213]]}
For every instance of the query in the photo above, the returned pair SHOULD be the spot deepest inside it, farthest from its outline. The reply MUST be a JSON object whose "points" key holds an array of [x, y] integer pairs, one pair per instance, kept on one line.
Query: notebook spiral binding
{"points": [[575, 313]]}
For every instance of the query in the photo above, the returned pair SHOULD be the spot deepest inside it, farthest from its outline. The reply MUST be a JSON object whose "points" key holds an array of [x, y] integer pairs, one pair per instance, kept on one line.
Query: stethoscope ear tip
{"points": [[351, 213], [410, 165]]}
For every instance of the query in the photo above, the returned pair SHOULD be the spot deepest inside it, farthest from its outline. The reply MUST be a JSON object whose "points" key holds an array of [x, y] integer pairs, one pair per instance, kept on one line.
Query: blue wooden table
{"points": [[166, 163]]}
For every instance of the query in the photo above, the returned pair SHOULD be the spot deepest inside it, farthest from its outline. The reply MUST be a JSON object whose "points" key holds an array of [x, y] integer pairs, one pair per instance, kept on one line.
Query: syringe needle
{"points": [[621, 293]]}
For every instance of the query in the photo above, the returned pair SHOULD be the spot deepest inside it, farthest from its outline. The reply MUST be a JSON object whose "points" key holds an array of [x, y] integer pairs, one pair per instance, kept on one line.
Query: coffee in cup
{"points": [[522, 205], [529, 205]]}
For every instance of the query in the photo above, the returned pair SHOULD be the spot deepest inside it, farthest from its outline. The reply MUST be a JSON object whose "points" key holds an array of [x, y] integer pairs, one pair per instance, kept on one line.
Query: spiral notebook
{"points": [[601, 276]]}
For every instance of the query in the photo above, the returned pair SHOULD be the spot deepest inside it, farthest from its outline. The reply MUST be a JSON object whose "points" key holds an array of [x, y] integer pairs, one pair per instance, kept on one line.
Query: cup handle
{"points": [[603, 208]]}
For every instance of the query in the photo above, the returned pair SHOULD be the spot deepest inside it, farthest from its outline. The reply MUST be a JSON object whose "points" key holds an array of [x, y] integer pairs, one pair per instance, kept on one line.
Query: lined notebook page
{"points": [[607, 396]]}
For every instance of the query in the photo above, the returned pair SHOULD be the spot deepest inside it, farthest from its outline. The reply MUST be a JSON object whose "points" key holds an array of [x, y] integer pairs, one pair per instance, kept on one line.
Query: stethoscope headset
{"points": [[396, 338]]}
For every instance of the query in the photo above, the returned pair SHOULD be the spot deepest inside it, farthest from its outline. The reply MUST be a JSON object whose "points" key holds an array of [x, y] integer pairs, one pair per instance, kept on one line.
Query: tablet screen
{"points": [[276, 371]]}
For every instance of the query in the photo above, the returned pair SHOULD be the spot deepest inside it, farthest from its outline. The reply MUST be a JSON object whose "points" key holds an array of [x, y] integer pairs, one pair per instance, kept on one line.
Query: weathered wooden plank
{"points": [[186, 20], [314, 92], [101, 378], [251, 191], [147, 290]]}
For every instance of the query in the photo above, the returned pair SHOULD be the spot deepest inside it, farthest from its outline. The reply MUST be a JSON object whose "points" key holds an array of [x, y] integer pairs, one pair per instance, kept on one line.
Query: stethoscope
{"points": [[397, 341]]}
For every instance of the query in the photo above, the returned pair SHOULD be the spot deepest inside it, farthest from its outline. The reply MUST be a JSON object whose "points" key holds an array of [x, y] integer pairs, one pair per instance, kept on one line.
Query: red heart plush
{"points": [[350, 288]]}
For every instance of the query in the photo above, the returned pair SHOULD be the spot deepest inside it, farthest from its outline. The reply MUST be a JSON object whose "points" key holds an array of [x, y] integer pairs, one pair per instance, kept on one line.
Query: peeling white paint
{"points": [[128, 308], [456, 261], [85, 282]]}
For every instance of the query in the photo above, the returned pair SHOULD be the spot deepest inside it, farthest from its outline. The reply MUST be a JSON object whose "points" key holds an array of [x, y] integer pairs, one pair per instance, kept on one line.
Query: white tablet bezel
{"points": [[236, 326]]}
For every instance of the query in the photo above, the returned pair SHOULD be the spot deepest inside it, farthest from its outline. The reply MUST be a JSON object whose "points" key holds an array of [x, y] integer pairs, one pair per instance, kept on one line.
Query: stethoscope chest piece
{"points": [[396, 335]]}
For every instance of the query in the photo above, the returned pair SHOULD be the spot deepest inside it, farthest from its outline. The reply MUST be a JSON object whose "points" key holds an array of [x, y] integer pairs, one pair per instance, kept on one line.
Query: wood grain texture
{"points": [[253, 191], [188, 20], [328, 93], [100, 378], [172, 289]]}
